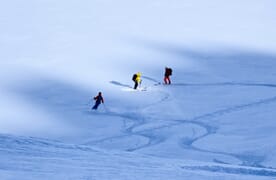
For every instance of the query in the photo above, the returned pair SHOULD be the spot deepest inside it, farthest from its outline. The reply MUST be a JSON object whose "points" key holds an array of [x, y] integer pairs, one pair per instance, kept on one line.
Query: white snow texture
{"points": [[215, 121]]}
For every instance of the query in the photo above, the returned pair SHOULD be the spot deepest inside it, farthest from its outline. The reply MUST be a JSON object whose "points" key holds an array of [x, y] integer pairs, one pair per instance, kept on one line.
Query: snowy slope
{"points": [[32, 158], [216, 121]]}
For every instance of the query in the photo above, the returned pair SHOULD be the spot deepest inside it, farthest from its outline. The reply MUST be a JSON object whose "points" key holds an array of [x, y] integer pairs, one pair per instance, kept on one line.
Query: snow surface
{"points": [[216, 120]]}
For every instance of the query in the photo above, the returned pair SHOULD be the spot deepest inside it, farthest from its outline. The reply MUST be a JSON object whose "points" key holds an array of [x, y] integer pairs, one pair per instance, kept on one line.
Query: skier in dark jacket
{"points": [[99, 99], [168, 73]]}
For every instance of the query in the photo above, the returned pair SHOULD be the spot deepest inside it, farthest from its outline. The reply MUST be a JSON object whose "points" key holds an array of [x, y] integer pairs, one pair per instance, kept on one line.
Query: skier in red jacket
{"points": [[168, 73]]}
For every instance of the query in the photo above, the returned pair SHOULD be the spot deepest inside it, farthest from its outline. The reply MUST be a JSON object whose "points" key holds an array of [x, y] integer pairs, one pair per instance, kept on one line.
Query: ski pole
{"points": [[106, 110], [140, 84]]}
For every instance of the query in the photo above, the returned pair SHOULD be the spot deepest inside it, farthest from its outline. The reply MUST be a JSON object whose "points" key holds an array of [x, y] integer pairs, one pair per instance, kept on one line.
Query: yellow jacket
{"points": [[138, 78]]}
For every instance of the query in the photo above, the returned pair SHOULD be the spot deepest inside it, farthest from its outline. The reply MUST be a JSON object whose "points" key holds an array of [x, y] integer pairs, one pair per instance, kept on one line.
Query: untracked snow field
{"points": [[216, 120]]}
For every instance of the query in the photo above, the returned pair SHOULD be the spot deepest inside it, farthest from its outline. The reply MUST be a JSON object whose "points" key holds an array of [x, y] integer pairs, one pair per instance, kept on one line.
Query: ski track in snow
{"points": [[253, 161], [187, 143], [136, 119], [55, 152], [233, 170]]}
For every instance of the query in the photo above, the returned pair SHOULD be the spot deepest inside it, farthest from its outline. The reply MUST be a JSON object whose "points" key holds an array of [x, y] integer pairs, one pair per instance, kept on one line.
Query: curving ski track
{"points": [[233, 170], [187, 143]]}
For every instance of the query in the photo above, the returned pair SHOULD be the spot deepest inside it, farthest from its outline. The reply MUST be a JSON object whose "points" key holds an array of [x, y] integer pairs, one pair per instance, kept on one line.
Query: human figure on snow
{"points": [[98, 100], [137, 79], [168, 73]]}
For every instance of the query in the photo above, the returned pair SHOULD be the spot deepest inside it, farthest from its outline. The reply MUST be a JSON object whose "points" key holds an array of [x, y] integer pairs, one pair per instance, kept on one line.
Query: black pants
{"points": [[96, 105], [135, 85]]}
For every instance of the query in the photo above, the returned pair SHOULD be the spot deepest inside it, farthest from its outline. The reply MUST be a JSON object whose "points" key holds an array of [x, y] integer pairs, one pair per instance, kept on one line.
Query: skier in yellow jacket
{"points": [[137, 79]]}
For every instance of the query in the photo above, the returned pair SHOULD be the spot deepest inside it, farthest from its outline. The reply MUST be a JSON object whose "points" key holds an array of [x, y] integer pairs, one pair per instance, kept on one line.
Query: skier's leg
{"points": [[136, 85], [165, 80], [95, 106]]}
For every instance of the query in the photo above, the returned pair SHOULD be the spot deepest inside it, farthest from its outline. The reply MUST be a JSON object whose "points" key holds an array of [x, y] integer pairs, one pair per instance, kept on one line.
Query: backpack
{"points": [[134, 77], [169, 71]]}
